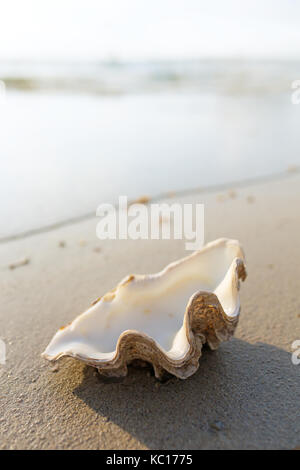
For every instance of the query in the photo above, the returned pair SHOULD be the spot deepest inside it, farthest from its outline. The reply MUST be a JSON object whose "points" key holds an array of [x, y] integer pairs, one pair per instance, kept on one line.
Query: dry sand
{"points": [[245, 395]]}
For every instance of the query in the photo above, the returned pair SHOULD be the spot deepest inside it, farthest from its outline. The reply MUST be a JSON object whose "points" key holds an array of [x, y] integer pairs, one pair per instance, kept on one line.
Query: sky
{"points": [[148, 29]]}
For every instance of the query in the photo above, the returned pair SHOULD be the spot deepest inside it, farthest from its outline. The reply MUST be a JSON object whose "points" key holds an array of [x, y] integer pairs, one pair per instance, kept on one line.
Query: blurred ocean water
{"points": [[109, 78], [74, 136]]}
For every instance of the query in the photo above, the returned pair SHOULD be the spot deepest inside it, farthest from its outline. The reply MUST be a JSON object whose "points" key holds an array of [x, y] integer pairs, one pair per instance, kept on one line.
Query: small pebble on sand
{"points": [[250, 199], [62, 244], [232, 194], [18, 264], [164, 219], [217, 425], [140, 200]]}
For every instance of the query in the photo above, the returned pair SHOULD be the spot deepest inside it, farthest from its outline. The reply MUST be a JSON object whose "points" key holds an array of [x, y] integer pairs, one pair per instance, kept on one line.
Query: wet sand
{"points": [[244, 395]]}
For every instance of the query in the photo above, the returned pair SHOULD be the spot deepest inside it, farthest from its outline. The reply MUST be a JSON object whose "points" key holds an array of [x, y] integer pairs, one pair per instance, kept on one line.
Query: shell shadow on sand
{"points": [[243, 396]]}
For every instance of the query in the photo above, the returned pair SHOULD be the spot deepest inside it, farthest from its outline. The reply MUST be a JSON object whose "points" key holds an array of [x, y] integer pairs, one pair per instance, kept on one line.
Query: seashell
{"points": [[163, 319]]}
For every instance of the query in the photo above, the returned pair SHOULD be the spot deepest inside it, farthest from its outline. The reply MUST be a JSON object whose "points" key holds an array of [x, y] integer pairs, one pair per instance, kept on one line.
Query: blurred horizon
{"points": [[136, 30]]}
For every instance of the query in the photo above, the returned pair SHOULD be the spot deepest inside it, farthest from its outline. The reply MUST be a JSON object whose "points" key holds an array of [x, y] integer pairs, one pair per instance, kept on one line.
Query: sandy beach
{"points": [[245, 395]]}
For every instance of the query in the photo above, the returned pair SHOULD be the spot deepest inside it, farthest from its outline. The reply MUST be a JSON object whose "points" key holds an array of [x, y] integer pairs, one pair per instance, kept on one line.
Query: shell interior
{"points": [[153, 305]]}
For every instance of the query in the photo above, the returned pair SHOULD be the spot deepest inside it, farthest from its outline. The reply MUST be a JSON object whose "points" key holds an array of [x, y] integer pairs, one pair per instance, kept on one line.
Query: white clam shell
{"points": [[162, 318]]}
